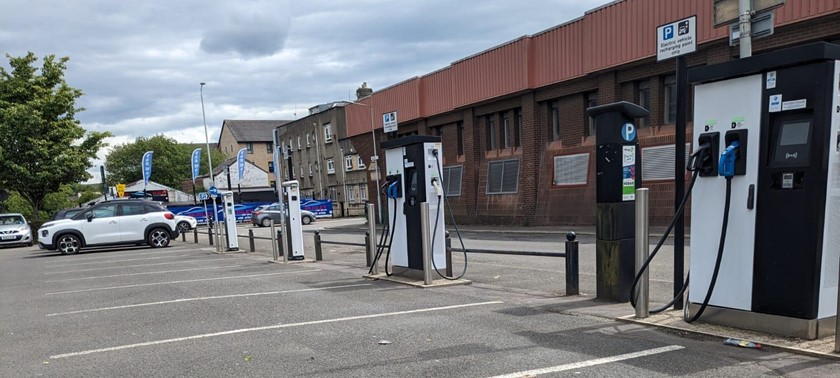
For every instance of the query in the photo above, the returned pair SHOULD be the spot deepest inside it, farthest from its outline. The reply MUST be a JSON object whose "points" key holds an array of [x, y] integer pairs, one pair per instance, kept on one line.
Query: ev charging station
{"points": [[413, 168], [231, 238], [292, 191], [774, 122]]}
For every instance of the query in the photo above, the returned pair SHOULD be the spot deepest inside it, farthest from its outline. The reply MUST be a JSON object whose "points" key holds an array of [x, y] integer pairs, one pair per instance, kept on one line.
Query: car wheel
{"points": [[158, 238], [183, 227], [265, 222], [306, 220], [68, 244]]}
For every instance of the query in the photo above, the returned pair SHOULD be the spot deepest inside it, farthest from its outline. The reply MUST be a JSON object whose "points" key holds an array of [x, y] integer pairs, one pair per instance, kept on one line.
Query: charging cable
{"points": [[440, 196]]}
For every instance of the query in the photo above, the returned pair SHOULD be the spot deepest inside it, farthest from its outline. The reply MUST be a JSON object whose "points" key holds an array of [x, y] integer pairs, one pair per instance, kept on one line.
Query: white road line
{"points": [[178, 282], [115, 261], [87, 254], [141, 265], [144, 273], [597, 361], [549, 270], [205, 299], [278, 326]]}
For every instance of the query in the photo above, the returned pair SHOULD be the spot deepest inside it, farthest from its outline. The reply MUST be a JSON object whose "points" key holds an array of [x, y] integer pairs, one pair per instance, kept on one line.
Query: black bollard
{"points": [[448, 255], [210, 235], [572, 284], [195, 235], [367, 249], [251, 239], [318, 256]]}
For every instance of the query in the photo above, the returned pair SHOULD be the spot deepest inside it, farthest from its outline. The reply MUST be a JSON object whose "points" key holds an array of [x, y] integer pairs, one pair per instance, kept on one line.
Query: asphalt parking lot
{"points": [[186, 311]]}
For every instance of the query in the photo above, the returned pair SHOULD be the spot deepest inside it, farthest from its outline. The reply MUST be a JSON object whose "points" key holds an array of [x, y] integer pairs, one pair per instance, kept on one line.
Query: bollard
{"points": [[210, 235], [448, 255], [371, 251], [642, 251], [251, 239], [427, 253], [282, 239], [572, 276], [273, 240], [318, 256], [367, 249], [183, 236], [195, 235]]}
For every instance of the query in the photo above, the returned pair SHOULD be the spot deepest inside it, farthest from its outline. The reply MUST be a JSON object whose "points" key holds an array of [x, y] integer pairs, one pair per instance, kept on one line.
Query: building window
{"points": [[555, 120], [327, 133], [351, 194], [271, 167], [517, 127], [492, 134], [438, 130], [273, 184], [361, 163], [308, 143], [348, 163], [299, 142], [643, 100], [330, 166], [670, 111], [290, 143], [460, 127], [300, 168], [591, 100], [503, 176], [363, 195], [310, 169], [452, 180], [506, 142], [571, 169], [268, 147], [249, 147]]}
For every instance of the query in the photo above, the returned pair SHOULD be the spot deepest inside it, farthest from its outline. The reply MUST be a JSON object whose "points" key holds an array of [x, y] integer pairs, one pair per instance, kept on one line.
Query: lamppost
{"points": [[209, 163], [374, 160]]}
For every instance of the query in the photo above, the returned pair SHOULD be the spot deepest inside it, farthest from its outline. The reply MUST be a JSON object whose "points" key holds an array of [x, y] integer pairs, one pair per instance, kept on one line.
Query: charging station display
{"points": [[228, 206]]}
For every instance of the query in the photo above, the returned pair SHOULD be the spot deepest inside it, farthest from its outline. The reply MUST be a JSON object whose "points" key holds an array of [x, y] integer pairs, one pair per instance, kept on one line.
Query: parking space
{"points": [[186, 311]]}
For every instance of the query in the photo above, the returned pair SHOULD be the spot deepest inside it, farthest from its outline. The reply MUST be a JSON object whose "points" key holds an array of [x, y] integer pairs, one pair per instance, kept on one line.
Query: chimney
{"points": [[363, 91]]}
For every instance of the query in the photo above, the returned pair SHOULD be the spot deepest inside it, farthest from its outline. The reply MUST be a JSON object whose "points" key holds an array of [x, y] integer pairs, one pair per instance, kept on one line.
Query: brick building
{"points": [[518, 146]]}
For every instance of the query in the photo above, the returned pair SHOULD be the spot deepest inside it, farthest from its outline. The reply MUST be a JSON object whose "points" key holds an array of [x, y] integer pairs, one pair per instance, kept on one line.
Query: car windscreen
{"points": [[11, 219]]}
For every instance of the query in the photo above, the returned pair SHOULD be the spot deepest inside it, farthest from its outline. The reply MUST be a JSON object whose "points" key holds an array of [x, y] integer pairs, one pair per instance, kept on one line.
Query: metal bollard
{"points": [[282, 239], [318, 256], [448, 255], [210, 235], [367, 249], [572, 274], [427, 248], [183, 236], [273, 240], [195, 235], [251, 239], [642, 251], [371, 251]]}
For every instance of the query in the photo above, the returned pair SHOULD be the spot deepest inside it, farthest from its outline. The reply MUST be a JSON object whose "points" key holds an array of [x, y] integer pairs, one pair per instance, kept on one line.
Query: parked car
{"points": [[185, 223], [67, 213], [113, 222], [263, 215], [15, 230]]}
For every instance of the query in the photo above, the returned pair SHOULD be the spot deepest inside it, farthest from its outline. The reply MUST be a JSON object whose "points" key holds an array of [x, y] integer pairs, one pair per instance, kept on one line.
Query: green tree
{"points": [[171, 164], [42, 145]]}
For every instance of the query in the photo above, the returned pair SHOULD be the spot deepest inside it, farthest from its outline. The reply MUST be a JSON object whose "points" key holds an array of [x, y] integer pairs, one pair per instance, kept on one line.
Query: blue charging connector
{"points": [[393, 190], [726, 166]]}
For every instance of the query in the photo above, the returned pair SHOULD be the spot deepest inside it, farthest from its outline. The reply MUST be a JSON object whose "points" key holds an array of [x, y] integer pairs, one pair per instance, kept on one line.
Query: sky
{"points": [[139, 63]]}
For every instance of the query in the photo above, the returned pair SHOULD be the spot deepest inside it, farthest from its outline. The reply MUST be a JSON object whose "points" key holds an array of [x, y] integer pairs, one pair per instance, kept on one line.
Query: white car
{"points": [[185, 223], [14, 230], [130, 221]]}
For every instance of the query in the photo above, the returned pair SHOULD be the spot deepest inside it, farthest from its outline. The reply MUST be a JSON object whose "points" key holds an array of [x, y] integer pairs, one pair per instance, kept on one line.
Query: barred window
{"points": [[452, 180], [503, 176]]}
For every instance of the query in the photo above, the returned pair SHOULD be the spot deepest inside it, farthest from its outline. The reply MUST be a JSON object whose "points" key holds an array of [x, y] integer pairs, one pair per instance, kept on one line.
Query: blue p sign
{"points": [[628, 132], [668, 32]]}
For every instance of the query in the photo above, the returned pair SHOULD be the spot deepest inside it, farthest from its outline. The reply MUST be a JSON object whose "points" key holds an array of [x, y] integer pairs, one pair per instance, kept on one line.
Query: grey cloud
{"points": [[246, 42]]}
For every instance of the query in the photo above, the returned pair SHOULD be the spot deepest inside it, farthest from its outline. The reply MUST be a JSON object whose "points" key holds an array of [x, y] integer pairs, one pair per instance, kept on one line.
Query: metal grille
{"points": [[658, 162], [502, 176], [452, 180], [571, 169]]}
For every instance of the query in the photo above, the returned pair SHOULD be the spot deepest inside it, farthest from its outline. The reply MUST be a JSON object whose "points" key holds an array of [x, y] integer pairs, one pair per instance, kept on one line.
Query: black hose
{"points": [[719, 254], [391, 241], [437, 216]]}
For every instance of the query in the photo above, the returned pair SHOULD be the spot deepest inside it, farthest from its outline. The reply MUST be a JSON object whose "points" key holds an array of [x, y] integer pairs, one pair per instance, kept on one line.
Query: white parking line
{"points": [[178, 282], [141, 265], [205, 299], [143, 273], [278, 326], [597, 361], [86, 254], [115, 261]]}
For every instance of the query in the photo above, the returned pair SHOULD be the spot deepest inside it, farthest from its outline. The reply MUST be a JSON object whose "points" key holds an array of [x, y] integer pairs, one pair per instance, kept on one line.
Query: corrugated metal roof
{"points": [[252, 130]]}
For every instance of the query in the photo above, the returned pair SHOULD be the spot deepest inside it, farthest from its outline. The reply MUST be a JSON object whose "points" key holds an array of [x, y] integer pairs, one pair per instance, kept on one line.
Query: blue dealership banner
{"points": [[196, 162], [322, 208], [240, 160], [147, 166]]}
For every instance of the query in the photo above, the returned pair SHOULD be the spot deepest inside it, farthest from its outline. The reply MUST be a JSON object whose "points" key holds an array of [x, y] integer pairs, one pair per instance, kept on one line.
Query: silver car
{"points": [[15, 230]]}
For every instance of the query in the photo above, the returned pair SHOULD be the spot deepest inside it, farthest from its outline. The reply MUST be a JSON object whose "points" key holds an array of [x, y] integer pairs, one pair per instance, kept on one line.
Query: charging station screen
{"points": [[795, 133]]}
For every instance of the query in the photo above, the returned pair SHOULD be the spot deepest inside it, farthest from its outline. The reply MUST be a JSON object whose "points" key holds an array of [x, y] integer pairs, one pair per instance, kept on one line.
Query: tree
{"points": [[171, 164], [42, 145]]}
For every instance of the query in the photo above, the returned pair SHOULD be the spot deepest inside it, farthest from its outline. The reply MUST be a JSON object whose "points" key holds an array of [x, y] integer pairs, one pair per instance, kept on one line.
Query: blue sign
{"points": [[628, 132], [147, 166], [668, 32], [240, 160], [196, 161], [213, 191], [202, 196], [321, 208]]}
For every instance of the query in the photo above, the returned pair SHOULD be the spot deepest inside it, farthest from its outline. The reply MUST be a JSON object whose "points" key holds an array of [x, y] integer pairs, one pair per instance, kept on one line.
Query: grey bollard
{"points": [[318, 256], [251, 239], [642, 251], [572, 274]]}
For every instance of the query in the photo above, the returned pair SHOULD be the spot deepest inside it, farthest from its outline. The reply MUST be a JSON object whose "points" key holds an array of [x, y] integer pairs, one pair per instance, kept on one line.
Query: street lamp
{"points": [[374, 160], [209, 163]]}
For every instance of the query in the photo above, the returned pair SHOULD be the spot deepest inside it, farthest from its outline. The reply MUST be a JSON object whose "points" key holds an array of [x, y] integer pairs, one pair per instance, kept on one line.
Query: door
{"points": [[104, 225], [133, 221]]}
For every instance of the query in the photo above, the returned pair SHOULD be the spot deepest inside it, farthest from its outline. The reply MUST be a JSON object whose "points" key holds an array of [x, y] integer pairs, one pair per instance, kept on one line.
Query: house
{"points": [[254, 135]]}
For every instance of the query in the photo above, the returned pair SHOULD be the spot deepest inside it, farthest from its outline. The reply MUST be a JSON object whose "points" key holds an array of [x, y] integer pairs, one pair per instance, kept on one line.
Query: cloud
{"points": [[250, 34]]}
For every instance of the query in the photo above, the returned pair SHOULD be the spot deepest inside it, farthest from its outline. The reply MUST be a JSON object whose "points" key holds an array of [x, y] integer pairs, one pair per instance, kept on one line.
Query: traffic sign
{"points": [[676, 38], [389, 122], [202, 196], [213, 192], [120, 190]]}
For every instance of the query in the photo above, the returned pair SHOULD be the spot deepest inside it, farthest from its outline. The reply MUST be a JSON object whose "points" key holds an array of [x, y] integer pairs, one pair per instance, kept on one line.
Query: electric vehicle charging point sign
{"points": [[628, 184]]}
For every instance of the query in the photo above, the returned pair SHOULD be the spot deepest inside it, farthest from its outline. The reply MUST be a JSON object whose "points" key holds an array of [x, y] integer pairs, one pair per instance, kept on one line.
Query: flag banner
{"points": [[240, 160], [147, 166], [196, 161]]}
